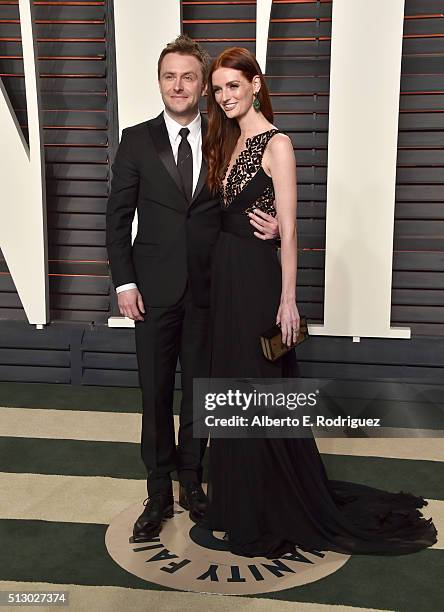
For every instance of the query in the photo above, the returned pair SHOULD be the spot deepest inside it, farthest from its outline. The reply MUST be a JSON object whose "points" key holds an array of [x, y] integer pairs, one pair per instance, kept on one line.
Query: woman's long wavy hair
{"points": [[223, 132]]}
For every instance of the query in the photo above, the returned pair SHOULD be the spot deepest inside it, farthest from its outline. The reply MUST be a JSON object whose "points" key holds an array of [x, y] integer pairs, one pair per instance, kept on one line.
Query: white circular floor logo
{"points": [[187, 557]]}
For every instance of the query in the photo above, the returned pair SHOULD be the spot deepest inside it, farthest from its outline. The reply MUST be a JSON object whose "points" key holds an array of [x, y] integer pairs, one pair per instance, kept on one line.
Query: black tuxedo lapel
{"points": [[159, 134], [204, 166], [201, 181]]}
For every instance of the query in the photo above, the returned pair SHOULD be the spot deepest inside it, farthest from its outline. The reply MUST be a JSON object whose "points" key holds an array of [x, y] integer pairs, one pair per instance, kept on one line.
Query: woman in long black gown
{"points": [[270, 495]]}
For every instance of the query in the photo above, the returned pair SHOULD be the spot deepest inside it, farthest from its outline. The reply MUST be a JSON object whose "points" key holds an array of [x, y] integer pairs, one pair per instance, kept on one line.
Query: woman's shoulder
{"points": [[280, 145], [279, 139]]}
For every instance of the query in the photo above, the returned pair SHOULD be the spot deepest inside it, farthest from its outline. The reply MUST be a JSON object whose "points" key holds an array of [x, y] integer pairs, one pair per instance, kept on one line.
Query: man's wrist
{"points": [[125, 287]]}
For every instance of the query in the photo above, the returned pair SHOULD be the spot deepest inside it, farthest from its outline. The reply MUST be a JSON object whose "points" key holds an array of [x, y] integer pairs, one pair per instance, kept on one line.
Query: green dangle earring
{"points": [[256, 102]]}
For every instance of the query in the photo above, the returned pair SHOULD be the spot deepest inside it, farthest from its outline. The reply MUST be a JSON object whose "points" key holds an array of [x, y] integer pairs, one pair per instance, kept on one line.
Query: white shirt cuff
{"points": [[121, 288]]}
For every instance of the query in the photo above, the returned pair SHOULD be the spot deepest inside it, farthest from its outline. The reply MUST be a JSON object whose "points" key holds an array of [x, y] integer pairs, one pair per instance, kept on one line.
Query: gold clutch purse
{"points": [[271, 341]]}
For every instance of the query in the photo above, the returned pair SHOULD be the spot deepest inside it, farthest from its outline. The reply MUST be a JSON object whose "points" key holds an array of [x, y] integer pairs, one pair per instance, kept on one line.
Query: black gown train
{"points": [[270, 495]]}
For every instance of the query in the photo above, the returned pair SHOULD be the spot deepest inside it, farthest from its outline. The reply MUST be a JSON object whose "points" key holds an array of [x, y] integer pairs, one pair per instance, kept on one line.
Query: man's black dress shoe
{"points": [[193, 498], [148, 525]]}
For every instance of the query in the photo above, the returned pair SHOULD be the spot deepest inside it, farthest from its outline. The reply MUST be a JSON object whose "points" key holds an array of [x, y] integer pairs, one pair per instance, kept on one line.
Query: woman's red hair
{"points": [[223, 132]]}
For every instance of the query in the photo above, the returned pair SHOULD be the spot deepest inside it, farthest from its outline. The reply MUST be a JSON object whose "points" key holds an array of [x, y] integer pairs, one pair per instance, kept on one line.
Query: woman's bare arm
{"points": [[280, 162]]}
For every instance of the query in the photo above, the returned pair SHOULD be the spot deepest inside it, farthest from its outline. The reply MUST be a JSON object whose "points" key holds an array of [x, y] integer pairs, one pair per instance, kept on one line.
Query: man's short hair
{"points": [[185, 45]]}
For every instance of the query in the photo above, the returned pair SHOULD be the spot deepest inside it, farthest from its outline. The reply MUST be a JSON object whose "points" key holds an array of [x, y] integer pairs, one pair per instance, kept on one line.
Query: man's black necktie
{"points": [[185, 163]]}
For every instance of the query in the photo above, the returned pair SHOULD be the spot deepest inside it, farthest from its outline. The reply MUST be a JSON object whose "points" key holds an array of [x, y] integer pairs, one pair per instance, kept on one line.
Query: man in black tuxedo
{"points": [[163, 280]]}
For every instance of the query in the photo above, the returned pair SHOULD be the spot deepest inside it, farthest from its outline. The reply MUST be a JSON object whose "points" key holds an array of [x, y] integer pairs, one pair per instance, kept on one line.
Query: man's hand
{"points": [[266, 225], [131, 304]]}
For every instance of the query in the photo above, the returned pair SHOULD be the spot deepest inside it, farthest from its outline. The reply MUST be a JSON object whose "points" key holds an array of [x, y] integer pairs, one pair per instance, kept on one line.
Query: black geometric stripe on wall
{"points": [[73, 80]]}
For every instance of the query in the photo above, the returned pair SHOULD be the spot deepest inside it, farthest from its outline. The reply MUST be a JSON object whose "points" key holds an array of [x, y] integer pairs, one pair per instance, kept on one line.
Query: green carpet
{"points": [[74, 553], [118, 399], [122, 460]]}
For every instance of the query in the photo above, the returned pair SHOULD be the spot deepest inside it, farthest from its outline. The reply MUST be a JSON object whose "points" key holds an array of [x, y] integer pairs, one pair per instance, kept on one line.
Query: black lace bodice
{"points": [[248, 166]]}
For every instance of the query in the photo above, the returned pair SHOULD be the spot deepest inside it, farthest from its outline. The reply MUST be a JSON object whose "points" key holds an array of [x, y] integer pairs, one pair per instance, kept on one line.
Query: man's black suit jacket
{"points": [[175, 237]]}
